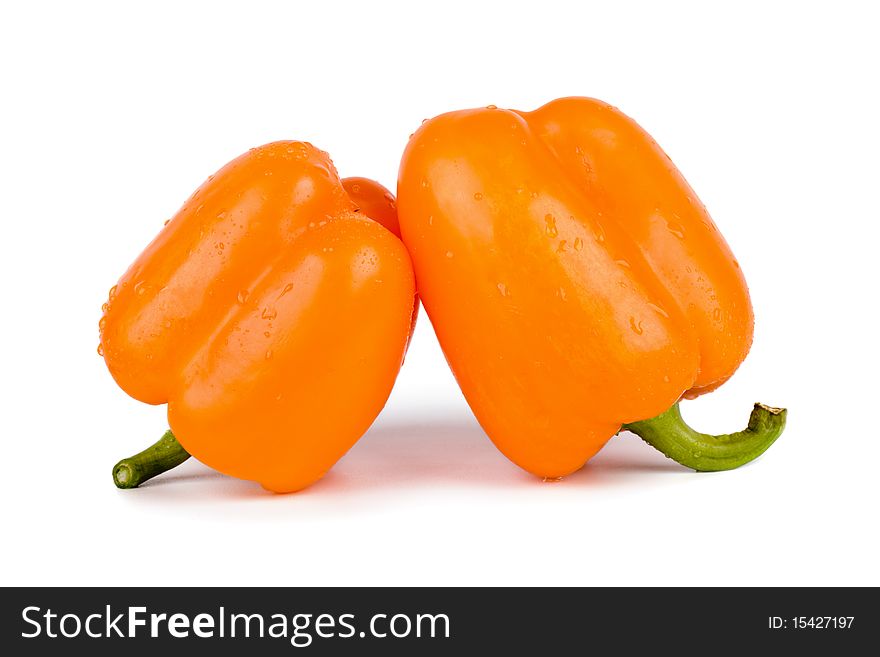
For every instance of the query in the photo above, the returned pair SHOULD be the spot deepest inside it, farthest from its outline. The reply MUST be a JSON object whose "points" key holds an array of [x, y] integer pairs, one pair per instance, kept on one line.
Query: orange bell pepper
{"points": [[576, 284], [272, 314]]}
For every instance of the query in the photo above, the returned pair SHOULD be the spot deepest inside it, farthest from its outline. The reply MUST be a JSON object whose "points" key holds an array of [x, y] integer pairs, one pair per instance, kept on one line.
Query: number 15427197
{"points": [[810, 622]]}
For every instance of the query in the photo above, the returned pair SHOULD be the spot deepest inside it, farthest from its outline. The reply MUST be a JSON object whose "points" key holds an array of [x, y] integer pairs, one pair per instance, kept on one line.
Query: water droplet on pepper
{"points": [[675, 229]]}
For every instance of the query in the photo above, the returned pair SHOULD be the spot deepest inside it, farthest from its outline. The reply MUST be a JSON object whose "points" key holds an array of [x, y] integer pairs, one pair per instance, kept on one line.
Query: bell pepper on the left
{"points": [[271, 314]]}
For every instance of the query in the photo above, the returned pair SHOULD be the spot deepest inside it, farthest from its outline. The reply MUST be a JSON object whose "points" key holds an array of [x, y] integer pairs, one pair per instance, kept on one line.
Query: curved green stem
{"points": [[164, 455], [669, 434]]}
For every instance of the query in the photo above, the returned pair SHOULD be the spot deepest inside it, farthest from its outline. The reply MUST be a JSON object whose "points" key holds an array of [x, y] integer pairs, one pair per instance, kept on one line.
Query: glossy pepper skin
{"points": [[271, 314], [574, 280]]}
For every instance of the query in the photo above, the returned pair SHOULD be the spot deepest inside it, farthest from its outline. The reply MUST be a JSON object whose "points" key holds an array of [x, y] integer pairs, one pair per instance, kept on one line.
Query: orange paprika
{"points": [[271, 314], [576, 284]]}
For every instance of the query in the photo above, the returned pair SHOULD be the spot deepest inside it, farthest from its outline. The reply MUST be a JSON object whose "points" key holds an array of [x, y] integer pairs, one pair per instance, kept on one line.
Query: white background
{"points": [[111, 116]]}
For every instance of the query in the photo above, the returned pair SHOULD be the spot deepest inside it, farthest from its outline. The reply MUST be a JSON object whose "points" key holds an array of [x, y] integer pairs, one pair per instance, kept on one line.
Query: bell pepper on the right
{"points": [[576, 284]]}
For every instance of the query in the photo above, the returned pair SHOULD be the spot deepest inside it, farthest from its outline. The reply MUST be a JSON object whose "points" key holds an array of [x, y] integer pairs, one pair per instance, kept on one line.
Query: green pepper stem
{"points": [[669, 434], [164, 455]]}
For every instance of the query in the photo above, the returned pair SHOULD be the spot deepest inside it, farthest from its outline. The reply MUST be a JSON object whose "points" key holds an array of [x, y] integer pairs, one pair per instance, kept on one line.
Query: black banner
{"points": [[423, 621]]}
